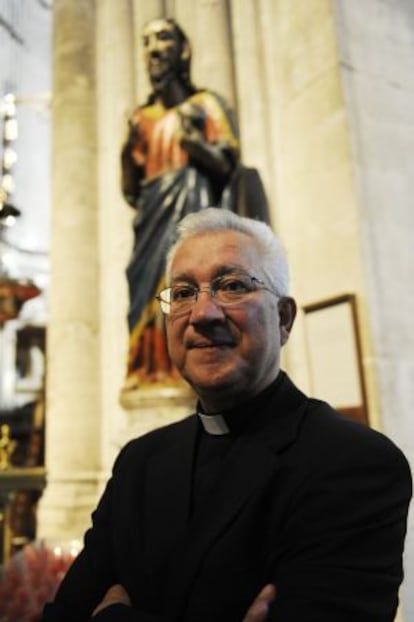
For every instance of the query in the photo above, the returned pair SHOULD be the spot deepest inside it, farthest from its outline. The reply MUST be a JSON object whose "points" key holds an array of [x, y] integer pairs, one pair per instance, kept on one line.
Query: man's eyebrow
{"points": [[186, 277], [231, 269], [183, 277]]}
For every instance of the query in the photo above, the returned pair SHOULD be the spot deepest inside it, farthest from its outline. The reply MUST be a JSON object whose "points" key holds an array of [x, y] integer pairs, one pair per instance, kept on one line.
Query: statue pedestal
{"points": [[152, 406]]}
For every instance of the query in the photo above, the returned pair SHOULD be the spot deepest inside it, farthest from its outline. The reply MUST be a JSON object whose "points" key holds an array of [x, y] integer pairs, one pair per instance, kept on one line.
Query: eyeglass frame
{"points": [[259, 285]]}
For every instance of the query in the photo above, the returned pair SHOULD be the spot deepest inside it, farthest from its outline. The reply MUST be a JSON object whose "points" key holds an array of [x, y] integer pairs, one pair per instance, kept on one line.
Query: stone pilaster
{"points": [[115, 87], [73, 387], [251, 61], [208, 26]]}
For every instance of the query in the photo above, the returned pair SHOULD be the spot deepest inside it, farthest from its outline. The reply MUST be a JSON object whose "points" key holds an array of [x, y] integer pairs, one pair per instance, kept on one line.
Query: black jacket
{"points": [[307, 500]]}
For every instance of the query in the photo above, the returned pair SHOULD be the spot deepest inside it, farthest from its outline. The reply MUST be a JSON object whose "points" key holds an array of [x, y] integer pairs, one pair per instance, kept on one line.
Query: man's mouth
{"points": [[204, 344]]}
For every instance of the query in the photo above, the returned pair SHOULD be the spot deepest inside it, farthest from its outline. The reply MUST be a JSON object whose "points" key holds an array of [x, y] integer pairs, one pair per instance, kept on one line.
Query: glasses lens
{"points": [[164, 298], [232, 288], [182, 297], [227, 289]]}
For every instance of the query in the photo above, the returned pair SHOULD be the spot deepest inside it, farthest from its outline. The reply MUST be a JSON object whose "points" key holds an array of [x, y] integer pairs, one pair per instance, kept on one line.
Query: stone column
{"points": [[253, 88], [73, 438], [116, 92], [207, 24]]}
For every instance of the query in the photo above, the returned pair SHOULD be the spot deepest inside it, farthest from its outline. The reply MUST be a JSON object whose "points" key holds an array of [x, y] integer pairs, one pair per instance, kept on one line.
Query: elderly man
{"points": [[265, 501]]}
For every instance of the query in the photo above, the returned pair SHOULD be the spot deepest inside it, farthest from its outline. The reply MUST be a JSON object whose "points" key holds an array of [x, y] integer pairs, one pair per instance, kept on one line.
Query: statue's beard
{"points": [[160, 81]]}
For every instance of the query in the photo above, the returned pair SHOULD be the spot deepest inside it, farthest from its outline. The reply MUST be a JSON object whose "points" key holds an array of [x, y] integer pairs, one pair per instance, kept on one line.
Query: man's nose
{"points": [[206, 308]]}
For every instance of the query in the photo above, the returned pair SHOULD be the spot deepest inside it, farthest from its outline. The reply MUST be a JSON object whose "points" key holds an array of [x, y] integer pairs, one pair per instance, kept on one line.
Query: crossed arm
{"points": [[257, 611]]}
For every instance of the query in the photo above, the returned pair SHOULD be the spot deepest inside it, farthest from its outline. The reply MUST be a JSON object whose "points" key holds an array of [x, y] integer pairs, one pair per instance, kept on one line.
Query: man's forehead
{"points": [[214, 251]]}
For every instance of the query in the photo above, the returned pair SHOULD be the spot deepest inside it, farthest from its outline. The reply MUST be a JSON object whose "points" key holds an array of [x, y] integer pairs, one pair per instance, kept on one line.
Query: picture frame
{"points": [[334, 355]]}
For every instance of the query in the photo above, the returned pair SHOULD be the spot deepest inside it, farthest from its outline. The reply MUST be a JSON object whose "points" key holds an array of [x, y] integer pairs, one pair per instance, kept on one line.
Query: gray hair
{"points": [[274, 263]]}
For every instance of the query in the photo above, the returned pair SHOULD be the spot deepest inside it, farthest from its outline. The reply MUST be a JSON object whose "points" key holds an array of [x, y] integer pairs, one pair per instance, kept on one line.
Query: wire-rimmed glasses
{"points": [[228, 289]]}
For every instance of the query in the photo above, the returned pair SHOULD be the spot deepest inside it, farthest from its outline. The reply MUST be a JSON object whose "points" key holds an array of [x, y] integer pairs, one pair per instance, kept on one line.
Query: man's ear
{"points": [[287, 314], [185, 51]]}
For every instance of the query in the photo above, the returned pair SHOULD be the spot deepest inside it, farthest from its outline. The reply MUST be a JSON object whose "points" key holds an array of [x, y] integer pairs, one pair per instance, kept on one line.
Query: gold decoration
{"points": [[7, 446]]}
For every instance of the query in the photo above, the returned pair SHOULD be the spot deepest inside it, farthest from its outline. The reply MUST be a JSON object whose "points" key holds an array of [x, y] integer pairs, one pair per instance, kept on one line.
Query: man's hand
{"points": [[258, 610], [115, 595]]}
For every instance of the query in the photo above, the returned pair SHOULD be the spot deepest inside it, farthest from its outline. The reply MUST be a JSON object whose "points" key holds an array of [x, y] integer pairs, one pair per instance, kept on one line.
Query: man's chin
{"points": [[209, 383], [214, 371]]}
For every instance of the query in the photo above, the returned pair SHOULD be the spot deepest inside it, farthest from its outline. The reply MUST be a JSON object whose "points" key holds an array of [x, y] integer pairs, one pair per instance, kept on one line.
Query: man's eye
{"points": [[233, 284], [182, 292]]}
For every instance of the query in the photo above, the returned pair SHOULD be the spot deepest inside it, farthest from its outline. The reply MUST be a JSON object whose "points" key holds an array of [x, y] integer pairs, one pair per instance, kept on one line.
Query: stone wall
{"points": [[376, 55]]}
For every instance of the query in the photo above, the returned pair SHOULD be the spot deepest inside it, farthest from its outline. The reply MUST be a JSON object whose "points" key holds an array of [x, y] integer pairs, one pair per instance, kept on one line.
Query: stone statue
{"points": [[181, 155]]}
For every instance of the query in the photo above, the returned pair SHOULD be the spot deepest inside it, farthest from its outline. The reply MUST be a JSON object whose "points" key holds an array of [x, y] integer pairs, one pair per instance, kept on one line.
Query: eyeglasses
{"points": [[227, 290]]}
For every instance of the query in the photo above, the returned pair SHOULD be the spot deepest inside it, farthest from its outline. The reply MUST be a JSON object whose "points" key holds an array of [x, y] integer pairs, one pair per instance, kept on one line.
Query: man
{"points": [[181, 155], [265, 501]]}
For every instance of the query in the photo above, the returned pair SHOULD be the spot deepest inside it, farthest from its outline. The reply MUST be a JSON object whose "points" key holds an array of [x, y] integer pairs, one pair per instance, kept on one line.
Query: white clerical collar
{"points": [[214, 424]]}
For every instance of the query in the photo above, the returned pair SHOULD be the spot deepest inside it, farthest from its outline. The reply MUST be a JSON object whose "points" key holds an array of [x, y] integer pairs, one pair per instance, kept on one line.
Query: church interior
{"points": [[323, 94]]}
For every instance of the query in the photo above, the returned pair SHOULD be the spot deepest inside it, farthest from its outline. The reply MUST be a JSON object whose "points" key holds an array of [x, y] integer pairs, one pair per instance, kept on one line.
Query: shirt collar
{"points": [[214, 424], [237, 419]]}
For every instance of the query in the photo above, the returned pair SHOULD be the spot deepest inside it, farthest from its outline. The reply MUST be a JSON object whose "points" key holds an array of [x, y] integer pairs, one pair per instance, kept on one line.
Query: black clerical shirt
{"points": [[216, 436]]}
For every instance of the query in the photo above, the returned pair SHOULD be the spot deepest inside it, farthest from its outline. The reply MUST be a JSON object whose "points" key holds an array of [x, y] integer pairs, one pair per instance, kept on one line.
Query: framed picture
{"points": [[334, 355]]}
